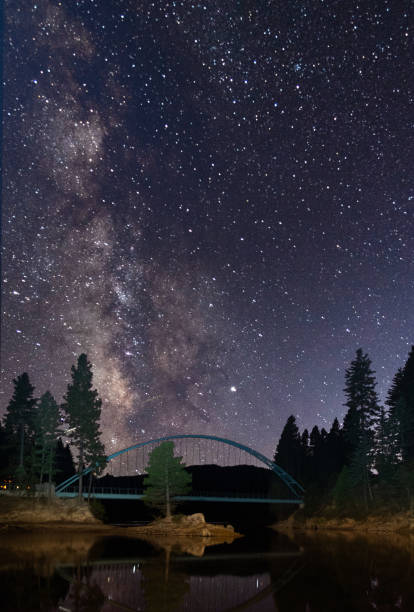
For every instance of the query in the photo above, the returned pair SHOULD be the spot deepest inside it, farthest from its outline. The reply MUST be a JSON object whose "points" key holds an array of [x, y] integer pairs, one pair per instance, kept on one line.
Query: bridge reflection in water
{"points": [[163, 586]]}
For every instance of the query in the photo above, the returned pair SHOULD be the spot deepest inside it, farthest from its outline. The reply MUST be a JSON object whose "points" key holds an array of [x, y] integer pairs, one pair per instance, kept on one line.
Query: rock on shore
{"points": [[192, 525]]}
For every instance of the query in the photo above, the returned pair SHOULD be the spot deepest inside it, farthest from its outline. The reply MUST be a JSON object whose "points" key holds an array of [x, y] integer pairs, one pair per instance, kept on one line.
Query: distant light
{"points": [[233, 389]]}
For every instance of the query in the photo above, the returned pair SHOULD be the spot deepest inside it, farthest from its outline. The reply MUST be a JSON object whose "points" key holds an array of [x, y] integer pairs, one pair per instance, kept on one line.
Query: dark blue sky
{"points": [[213, 201]]}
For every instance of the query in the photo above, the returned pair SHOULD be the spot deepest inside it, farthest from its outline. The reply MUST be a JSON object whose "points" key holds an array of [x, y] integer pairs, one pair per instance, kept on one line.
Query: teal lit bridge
{"points": [[195, 450]]}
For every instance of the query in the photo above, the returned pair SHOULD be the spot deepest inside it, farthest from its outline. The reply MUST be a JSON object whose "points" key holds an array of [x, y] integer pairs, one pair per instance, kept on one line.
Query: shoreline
{"points": [[18, 515], [206, 530], [402, 523], [53, 542]]}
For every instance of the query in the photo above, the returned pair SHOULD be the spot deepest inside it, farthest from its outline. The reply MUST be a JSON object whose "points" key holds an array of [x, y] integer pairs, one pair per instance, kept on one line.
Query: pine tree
{"points": [[19, 421], [304, 440], [395, 390], [166, 477], [350, 432], [305, 466], [401, 402], [387, 451], [4, 454], [47, 423], [315, 444], [360, 422], [288, 453], [64, 466], [335, 453], [401, 417], [82, 407], [360, 390]]}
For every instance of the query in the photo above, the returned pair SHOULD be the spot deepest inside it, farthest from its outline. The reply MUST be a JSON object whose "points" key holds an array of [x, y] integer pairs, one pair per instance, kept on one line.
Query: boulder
{"points": [[193, 520]]}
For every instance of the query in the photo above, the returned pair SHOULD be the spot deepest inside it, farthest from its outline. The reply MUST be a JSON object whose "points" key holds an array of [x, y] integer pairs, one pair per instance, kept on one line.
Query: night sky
{"points": [[213, 201]]}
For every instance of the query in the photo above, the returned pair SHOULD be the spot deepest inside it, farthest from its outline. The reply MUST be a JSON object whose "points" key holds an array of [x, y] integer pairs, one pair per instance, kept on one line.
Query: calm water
{"points": [[261, 572]]}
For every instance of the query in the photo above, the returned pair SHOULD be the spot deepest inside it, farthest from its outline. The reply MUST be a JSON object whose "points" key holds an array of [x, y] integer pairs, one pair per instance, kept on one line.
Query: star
{"points": [[195, 197]]}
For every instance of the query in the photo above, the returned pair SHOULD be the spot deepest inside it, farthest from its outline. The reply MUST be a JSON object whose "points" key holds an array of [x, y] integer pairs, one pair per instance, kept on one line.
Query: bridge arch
{"points": [[290, 482]]}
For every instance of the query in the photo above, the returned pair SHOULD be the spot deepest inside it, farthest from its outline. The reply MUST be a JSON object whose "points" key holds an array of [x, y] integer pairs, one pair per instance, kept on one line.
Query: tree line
{"points": [[31, 447], [367, 464], [364, 465]]}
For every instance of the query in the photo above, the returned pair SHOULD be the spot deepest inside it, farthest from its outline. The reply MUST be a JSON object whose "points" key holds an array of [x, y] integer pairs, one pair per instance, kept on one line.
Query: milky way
{"points": [[213, 201]]}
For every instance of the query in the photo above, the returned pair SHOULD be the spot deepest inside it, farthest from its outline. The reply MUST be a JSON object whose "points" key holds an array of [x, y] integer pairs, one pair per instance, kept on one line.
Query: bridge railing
{"points": [[114, 491], [106, 490]]}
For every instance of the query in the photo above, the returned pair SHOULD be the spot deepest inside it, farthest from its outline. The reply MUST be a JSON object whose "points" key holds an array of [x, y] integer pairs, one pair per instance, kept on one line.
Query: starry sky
{"points": [[213, 200]]}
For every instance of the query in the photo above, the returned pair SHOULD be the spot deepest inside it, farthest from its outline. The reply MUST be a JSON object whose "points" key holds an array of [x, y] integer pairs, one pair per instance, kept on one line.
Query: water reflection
{"points": [[348, 571], [172, 580], [265, 572], [152, 590], [85, 594], [28, 563]]}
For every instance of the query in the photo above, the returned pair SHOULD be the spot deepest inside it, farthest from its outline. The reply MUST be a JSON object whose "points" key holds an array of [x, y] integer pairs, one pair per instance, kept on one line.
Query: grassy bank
{"points": [[385, 523], [43, 511]]}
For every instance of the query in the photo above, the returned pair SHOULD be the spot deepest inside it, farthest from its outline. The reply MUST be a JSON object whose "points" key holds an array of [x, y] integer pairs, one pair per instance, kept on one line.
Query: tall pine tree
{"points": [[401, 417], [82, 407], [289, 449], [64, 466], [47, 422], [387, 461], [401, 402], [19, 423], [335, 454], [315, 446], [361, 400], [360, 423]]}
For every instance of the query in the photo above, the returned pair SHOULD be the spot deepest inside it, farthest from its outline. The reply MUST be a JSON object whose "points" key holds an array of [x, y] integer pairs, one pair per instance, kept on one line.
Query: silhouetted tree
{"points": [[315, 445], [360, 390], [401, 424], [46, 423], [19, 422], [350, 432], [305, 466], [387, 461], [359, 425], [64, 465], [288, 451], [4, 454], [395, 390], [82, 407], [335, 449], [304, 440], [401, 402]]}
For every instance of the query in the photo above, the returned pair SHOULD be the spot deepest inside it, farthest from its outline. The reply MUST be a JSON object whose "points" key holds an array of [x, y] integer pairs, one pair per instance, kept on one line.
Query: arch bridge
{"points": [[195, 449]]}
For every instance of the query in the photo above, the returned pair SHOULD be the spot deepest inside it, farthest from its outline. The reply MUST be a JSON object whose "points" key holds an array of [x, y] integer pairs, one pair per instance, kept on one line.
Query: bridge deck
{"points": [[134, 494]]}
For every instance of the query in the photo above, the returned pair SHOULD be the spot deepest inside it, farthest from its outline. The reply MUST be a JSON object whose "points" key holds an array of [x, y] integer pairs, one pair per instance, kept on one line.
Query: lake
{"points": [[263, 571]]}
